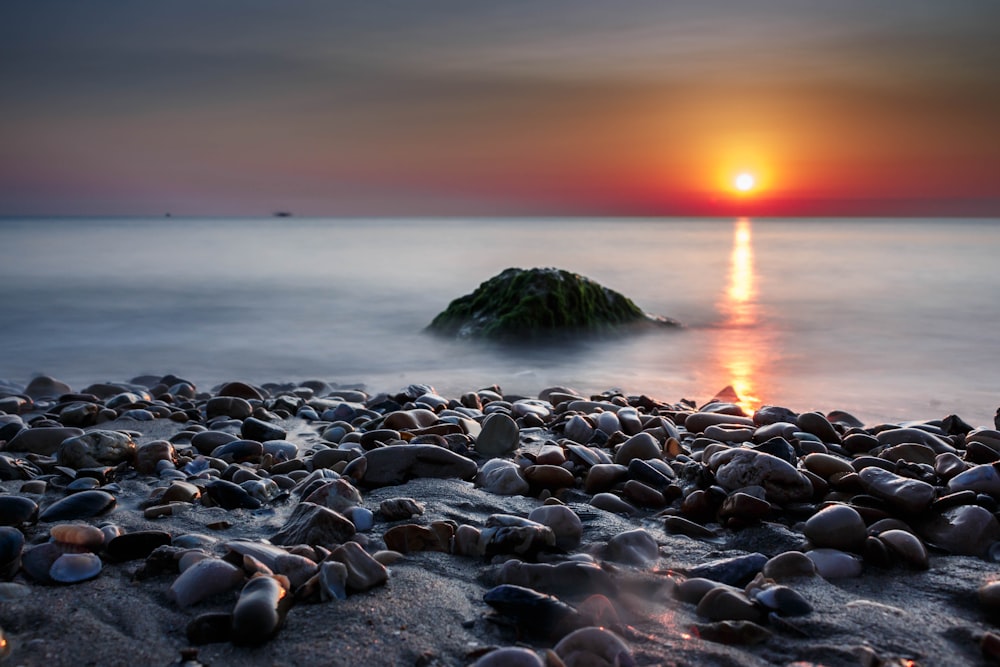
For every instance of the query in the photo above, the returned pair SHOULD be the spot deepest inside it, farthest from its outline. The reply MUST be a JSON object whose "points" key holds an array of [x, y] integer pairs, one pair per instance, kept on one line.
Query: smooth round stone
{"points": [[362, 518], [83, 484], [909, 495], [826, 465], [818, 425], [697, 422], [11, 547], [549, 476], [980, 478], [693, 589], [260, 430], [732, 433], [678, 525], [552, 455], [789, 565], [593, 646], [180, 491], [635, 547], [723, 603], [500, 436], [45, 386], [642, 494], [281, 450], [907, 546], [72, 568], [898, 436], [641, 446], [612, 503], [510, 657], [202, 580], [782, 600], [949, 465], [603, 476], [563, 521], [578, 429], [772, 414], [233, 407], [836, 527], [206, 441], [82, 505], [17, 510], [735, 571], [78, 535], [910, 452], [260, 610], [835, 564], [44, 441], [503, 478], [967, 530]]}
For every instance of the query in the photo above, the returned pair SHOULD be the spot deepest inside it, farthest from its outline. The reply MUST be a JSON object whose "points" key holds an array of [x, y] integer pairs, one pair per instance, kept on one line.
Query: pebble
{"points": [[782, 483], [768, 483], [641, 446], [503, 478], [260, 611], [835, 564], [595, 647], [82, 505], [633, 547], [72, 568], [837, 527], [564, 523], [499, 436], [911, 496]]}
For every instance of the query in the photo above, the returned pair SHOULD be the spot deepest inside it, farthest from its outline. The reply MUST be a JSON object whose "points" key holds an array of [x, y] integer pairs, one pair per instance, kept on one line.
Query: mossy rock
{"points": [[535, 303]]}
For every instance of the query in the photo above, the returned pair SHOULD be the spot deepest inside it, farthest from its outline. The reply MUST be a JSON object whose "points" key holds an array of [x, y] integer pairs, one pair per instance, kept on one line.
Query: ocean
{"points": [[889, 319]]}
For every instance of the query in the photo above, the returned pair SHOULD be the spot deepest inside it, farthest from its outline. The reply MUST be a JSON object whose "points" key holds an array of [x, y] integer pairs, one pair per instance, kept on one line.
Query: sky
{"points": [[534, 107]]}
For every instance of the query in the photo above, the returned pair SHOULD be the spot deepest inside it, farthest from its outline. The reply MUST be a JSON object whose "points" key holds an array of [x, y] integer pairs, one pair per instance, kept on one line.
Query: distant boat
{"points": [[282, 214]]}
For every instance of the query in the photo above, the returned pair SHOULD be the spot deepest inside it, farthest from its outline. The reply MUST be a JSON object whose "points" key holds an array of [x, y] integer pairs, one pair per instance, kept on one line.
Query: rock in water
{"points": [[533, 303]]}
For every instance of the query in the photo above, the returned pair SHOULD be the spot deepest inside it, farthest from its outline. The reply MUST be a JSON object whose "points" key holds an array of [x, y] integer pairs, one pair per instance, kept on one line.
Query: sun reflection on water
{"points": [[740, 345]]}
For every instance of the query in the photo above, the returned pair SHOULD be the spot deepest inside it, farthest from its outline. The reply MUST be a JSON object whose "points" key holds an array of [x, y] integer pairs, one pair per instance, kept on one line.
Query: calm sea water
{"points": [[889, 319]]}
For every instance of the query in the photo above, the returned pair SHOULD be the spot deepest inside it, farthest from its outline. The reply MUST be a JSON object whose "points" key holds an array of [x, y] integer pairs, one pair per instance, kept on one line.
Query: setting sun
{"points": [[744, 182]]}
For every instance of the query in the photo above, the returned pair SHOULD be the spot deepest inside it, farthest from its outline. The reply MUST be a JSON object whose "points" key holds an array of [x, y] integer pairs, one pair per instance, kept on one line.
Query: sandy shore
{"points": [[430, 610]]}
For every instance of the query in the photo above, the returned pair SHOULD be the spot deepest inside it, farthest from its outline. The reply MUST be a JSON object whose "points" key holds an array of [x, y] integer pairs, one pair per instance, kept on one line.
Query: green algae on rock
{"points": [[529, 303]]}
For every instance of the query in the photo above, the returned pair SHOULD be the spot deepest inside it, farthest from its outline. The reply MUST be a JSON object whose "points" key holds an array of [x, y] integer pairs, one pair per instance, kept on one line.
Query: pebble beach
{"points": [[153, 521]]}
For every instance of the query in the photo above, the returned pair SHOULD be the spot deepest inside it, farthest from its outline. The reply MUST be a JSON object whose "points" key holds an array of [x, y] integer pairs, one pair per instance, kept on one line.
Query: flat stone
{"points": [[396, 464], [909, 495]]}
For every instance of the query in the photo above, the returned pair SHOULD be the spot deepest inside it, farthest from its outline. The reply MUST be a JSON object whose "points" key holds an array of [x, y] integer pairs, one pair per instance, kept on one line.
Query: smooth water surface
{"points": [[889, 319]]}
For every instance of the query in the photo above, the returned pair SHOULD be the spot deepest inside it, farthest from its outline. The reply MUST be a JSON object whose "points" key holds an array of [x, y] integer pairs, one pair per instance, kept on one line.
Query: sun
{"points": [[745, 182]]}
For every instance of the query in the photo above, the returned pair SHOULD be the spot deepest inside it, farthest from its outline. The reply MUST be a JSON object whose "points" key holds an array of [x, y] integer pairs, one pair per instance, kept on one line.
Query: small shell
{"points": [[74, 568]]}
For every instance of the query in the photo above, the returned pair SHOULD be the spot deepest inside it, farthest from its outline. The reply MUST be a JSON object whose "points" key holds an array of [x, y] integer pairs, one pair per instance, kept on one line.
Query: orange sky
{"points": [[523, 108]]}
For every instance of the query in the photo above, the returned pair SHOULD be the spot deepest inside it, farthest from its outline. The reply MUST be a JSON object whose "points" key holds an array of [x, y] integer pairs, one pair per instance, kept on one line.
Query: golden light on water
{"points": [[740, 346]]}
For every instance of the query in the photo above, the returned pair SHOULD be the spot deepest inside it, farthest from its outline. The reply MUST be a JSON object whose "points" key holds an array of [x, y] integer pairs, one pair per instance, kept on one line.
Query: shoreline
{"points": [[829, 542]]}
